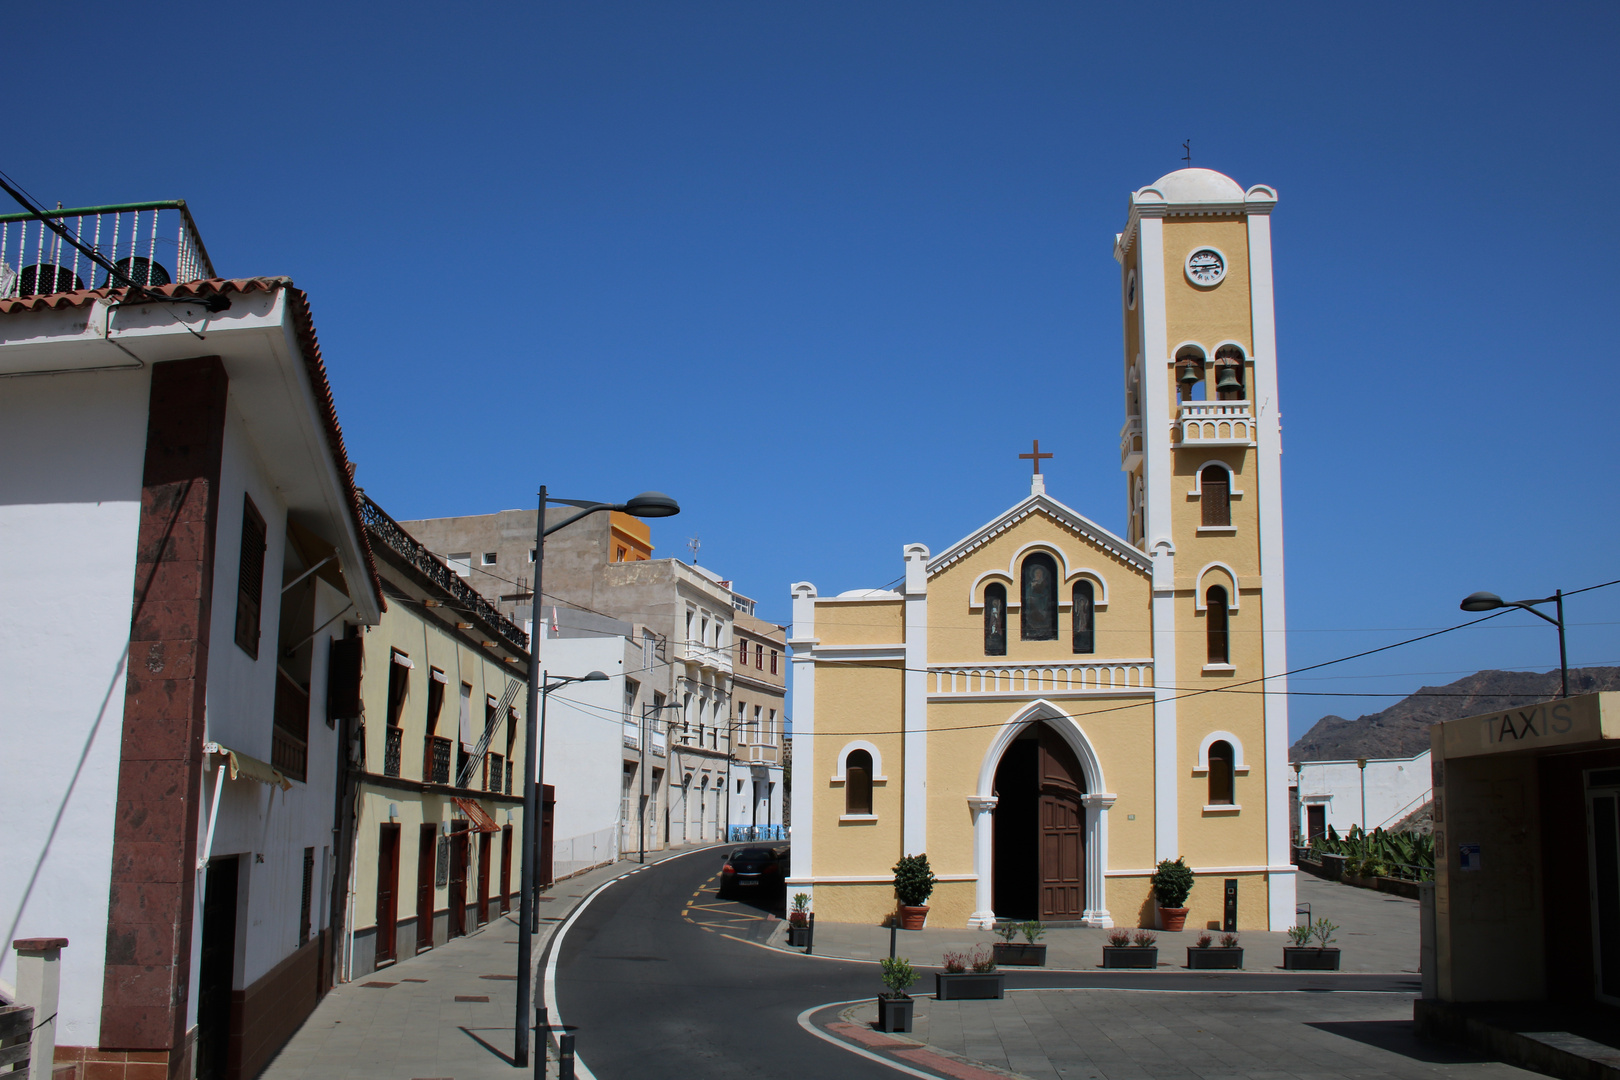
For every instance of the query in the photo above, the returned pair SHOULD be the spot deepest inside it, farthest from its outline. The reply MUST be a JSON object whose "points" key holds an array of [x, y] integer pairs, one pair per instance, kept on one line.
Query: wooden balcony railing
{"points": [[289, 735]]}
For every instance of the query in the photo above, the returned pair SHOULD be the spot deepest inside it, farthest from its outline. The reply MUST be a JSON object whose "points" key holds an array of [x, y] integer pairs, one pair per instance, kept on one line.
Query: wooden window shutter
{"points": [[250, 579], [343, 680]]}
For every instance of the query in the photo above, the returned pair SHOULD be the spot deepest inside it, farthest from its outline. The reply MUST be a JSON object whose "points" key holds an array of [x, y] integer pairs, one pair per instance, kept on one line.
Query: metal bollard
{"points": [[542, 1040], [565, 1057], [810, 935]]}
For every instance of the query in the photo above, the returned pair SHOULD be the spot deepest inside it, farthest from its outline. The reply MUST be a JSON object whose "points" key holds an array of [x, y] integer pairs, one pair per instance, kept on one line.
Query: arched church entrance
{"points": [[1039, 864]]}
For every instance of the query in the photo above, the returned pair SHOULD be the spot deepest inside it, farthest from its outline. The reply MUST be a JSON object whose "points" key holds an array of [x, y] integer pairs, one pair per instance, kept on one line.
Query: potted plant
{"points": [[1127, 950], [1172, 881], [895, 1005], [969, 975], [799, 921], [1228, 955], [913, 885], [1027, 952], [1303, 956]]}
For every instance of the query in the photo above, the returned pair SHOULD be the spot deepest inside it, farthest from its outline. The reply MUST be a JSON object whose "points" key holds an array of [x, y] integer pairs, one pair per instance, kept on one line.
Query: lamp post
{"points": [[646, 791], [649, 504], [1484, 601], [1361, 763]]}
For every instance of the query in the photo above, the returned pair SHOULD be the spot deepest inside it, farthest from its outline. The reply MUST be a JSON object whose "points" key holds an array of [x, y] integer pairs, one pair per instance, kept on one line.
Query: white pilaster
{"points": [[801, 647], [1158, 409], [984, 861], [1273, 624], [1096, 913], [914, 770]]}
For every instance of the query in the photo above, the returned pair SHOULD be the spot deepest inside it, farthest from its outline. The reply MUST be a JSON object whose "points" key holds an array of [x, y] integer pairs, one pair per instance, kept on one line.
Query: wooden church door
{"points": [[1062, 824]]}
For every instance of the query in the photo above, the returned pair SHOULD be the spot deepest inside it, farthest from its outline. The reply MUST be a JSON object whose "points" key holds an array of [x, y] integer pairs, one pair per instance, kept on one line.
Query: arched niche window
{"points": [[1229, 384], [1085, 618], [1215, 487], [995, 620], [1215, 625], [1190, 373], [1038, 612], [858, 782], [1220, 772]]}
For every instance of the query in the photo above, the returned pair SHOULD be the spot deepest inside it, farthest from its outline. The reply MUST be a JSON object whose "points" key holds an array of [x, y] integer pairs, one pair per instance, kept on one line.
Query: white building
{"points": [[183, 542], [588, 739], [1343, 793]]}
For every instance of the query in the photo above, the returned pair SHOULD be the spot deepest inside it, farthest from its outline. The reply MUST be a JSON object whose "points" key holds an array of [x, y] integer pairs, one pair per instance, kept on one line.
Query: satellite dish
{"points": [[43, 279], [141, 271]]}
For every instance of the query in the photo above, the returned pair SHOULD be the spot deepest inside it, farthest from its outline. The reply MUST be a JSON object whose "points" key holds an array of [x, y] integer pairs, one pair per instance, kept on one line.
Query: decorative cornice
{"points": [[1074, 521]]}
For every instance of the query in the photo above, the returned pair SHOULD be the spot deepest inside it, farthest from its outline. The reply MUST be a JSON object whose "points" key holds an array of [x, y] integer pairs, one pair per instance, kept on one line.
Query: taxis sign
{"points": [[1563, 722]]}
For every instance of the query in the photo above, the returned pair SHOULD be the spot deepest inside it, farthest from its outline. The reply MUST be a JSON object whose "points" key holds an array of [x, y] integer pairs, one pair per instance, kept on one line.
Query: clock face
{"points": [[1130, 290], [1206, 266]]}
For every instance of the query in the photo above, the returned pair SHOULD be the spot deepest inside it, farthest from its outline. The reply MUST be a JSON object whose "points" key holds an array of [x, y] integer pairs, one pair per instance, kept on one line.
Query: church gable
{"points": [[1040, 583]]}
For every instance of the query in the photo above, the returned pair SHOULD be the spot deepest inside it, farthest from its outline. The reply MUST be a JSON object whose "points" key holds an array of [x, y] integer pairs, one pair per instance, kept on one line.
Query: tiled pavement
{"points": [[448, 1013], [1150, 1035], [1377, 932]]}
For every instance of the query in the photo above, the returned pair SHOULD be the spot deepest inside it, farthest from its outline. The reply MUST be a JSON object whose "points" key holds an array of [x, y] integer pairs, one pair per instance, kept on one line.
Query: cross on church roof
{"points": [[1035, 456]]}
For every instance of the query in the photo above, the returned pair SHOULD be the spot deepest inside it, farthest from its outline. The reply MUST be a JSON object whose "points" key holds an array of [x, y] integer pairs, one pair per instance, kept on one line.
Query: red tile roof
{"points": [[304, 328]]}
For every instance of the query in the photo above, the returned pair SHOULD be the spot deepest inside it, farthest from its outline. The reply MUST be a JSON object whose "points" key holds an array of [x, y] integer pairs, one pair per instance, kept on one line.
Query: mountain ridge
{"points": [[1402, 730]]}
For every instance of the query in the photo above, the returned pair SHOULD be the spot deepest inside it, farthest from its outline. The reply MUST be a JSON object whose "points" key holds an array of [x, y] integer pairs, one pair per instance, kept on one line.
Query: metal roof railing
{"points": [[152, 243]]}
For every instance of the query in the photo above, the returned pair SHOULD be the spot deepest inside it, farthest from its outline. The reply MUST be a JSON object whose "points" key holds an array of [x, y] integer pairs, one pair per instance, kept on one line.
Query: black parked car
{"points": [[755, 870]]}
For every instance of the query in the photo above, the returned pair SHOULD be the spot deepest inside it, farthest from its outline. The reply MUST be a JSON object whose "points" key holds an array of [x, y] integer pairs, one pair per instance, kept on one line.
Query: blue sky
{"points": [[821, 271]]}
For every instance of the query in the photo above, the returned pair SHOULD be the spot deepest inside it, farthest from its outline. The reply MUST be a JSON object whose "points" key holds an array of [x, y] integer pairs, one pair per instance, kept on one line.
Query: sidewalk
{"points": [[1377, 932], [447, 1014]]}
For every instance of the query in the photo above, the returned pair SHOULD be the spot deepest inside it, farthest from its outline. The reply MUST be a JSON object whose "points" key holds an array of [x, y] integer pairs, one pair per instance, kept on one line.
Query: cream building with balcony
{"points": [[1040, 706]]}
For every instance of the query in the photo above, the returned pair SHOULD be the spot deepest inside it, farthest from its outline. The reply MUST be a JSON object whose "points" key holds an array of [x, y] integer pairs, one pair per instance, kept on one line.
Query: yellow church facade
{"points": [[1047, 708]]}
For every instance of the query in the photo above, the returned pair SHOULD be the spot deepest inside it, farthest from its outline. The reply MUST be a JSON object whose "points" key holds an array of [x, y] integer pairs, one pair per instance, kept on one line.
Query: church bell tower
{"points": [[1201, 449]]}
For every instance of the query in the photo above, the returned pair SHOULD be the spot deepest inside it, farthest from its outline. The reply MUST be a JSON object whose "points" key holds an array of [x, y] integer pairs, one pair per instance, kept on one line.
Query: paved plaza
{"points": [[1151, 1035], [1377, 932]]}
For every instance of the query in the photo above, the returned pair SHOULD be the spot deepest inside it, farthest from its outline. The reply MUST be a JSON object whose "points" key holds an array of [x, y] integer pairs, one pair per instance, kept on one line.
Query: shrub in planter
{"points": [[895, 1006], [1126, 950], [1303, 956], [913, 885], [1172, 881], [969, 975], [1026, 953], [800, 915], [1207, 956]]}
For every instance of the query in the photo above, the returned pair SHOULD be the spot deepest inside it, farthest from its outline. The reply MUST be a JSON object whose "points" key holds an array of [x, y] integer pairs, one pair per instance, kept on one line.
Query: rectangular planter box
{"points": [[1308, 958], [1399, 887], [894, 1014], [969, 985], [1019, 953], [1332, 866], [1130, 957], [1215, 958]]}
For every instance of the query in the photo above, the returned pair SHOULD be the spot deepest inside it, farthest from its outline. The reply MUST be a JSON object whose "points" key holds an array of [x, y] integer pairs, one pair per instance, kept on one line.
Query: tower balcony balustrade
{"points": [[1213, 423], [1130, 444]]}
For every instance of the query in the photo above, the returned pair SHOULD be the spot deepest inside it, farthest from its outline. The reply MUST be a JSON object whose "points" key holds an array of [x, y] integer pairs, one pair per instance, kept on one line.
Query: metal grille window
{"points": [[438, 754], [510, 771], [305, 905], [250, 579], [1215, 625], [497, 773], [392, 739], [1215, 484]]}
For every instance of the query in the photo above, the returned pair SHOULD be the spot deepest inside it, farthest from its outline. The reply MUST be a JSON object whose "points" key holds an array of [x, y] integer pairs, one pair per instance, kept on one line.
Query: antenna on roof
{"points": [[693, 543], [1187, 157]]}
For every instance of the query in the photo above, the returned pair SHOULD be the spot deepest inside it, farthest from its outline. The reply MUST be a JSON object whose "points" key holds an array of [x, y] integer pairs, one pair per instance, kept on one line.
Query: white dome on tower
{"points": [[1198, 186]]}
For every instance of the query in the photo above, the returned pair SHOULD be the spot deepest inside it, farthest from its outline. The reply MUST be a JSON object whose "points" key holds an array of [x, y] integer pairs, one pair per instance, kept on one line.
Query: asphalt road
{"points": [[657, 978]]}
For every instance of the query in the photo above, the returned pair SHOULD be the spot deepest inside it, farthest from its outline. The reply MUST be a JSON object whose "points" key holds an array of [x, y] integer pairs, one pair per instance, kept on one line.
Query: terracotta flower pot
{"points": [[1172, 918], [911, 918]]}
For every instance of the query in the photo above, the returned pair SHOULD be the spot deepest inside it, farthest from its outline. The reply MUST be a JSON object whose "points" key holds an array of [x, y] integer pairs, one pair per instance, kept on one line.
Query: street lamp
{"points": [[646, 791], [1484, 601], [649, 504]]}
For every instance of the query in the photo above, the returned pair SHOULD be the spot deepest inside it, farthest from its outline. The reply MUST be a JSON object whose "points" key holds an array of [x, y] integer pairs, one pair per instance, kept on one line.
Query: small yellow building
{"points": [[1048, 708]]}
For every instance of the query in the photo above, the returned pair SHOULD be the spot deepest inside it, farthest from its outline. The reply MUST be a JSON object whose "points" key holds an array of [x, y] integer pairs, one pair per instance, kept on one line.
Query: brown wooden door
{"points": [[387, 891], [1315, 822], [483, 878], [1062, 824], [506, 869], [458, 879], [427, 850]]}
